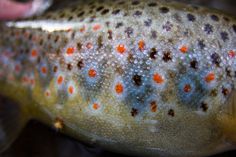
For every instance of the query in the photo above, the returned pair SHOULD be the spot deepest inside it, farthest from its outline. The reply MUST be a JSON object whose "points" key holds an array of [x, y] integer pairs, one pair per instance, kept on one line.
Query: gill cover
{"points": [[12, 121]]}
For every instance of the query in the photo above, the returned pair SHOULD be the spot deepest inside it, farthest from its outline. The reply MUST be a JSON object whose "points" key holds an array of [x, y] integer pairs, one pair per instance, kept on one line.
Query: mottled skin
{"points": [[148, 78]]}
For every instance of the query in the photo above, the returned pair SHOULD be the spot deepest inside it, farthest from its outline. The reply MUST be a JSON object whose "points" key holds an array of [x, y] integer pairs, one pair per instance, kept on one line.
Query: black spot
{"points": [[208, 28], [234, 28], [194, 64], [152, 4], [153, 53], [226, 19], [99, 8], [80, 64], [119, 24], [148, 22], [167, 56], [224, 36], [115, 12], [70, 18], [216, 59], [134, 112], [201, 44], [225, 91], [167, 26], [135, 2], [137, 79], [164, 10], [153, 34], [214, 92], [215, 18], [105, 11], [171, 113], [69, 67], [204, 106], [191, 17], [129, 31], [228, 72], [137, 13]]}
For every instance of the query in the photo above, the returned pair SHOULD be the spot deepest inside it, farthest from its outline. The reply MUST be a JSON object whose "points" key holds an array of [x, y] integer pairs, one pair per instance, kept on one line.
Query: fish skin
{"points": [[159, 70]]}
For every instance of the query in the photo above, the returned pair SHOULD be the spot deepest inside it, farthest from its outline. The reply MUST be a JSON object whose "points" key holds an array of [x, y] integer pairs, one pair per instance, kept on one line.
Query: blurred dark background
{"points": [[38, 140]]}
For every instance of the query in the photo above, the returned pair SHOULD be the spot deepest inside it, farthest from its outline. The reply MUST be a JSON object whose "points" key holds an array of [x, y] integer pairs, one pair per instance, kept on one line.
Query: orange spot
{"points": [[119, 88], [89, 45], [96, 106], [153, 106], [92, 73], [121, 48], [34, 53], [71, 89], [184, 49], [158, 78], [82, 29], [141, 45], [210, 77], [70, 50], [47, 93], [44, 70], [96, 27], [60, 79], [232, 54], [187, 88]]}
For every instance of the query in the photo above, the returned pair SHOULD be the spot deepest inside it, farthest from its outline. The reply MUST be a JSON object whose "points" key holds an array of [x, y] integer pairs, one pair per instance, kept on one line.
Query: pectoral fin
{"points": [[12, 121]]}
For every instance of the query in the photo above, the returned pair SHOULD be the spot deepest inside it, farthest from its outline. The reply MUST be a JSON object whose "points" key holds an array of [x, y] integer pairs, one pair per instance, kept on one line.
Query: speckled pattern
{"points": [[117, 71]]}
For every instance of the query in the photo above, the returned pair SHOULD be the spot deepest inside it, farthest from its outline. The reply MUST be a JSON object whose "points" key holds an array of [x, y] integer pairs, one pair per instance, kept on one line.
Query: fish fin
{"points": [[227, 119], [12, 121]]}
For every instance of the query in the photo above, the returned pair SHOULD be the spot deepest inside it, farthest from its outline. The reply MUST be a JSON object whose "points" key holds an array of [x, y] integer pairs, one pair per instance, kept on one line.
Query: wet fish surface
{"points": [[148, 78]]}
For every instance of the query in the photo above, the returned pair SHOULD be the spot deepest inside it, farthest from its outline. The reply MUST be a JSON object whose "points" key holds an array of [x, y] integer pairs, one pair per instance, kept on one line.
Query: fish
{"points": [[144, 78]]}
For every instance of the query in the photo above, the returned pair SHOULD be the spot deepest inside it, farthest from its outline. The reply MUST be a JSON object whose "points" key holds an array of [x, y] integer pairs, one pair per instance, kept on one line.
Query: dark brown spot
{"points": [[137, 13], [152, 4], [137, 79], [225, 91], [55, 68], [234, 28], [100, 42], [119, 24], [171, 113], [153, 53], [228, 72], [105, 11], [109, 34], [194, 64], [69, 66], [99, 8], [164, 10], [167, 56], [214, 92], [80, 14], [79, 46], [214, 18], [204, 106], [115, 12], [134, 112], [135, 2], [80, 64]]}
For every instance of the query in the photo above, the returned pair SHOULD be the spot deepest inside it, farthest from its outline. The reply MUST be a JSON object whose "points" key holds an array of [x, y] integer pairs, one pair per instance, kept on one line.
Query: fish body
{"points": [[152, 78]]}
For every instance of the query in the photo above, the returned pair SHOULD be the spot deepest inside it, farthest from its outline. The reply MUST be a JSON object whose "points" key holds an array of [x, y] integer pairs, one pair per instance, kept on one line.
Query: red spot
{"points": [[44, 70], [70, 51], [32, 82], [34, 53], [17, 68], [187, 88], [232, 54], [97, 27], [153, 106], [184, 49], [96, 106], [158, 78], [71, 89], [210, 77], [92, 73], [119, 88], [141, 45], [121, 48], [89, 45], [60, 80]]}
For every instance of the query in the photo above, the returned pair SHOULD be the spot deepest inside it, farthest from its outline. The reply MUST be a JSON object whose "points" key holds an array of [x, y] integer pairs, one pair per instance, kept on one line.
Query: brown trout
{"points": [[147, 78]]}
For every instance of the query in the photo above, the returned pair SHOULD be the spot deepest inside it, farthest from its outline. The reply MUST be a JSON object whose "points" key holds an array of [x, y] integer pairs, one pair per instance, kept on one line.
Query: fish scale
{"points": [[111, 72]]}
